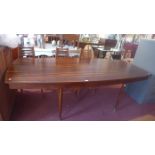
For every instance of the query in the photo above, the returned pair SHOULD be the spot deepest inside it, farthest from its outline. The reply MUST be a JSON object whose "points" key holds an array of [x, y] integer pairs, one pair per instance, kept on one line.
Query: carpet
{"points": [[88, 106]]}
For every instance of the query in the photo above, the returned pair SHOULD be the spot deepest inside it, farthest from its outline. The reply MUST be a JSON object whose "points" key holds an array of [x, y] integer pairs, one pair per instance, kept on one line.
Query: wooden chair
{"points": [[62, 58], [87, 54], [67, 60], [26, 52], [71, 39], [127, 56], [62, 52], [43, 56], [116, 55]]}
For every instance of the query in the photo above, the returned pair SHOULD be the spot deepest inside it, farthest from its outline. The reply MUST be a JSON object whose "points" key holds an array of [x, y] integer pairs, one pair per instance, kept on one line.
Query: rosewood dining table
{"points": [[49, 73]]}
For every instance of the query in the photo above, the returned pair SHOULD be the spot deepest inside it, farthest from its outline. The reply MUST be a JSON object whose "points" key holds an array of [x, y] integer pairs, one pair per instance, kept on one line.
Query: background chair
{"points": [[62, 52], [71, 39], [26, 52], [43, 56], [87, 54], [127, 56], [117, 55]]}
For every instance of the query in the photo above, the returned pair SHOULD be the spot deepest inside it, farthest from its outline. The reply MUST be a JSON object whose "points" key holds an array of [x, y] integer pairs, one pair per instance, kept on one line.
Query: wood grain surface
{"points": [[47, 72]]}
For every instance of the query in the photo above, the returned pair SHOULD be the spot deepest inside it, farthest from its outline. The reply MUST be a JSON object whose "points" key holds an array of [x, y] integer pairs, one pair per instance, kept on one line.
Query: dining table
{"points": [[49, 73]]}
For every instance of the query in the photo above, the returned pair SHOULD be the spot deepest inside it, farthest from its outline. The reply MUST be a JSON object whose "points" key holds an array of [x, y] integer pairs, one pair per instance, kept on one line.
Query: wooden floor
{"points": [[147, 117]]}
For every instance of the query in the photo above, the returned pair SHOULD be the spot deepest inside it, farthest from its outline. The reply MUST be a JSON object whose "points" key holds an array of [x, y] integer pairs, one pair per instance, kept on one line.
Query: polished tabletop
{"points": [[45, 72]]}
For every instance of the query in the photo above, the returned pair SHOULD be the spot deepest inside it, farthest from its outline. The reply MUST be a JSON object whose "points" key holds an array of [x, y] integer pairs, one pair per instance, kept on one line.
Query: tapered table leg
{"points": [[77, 91], [60, 95], [1, 118], [118, 98]]}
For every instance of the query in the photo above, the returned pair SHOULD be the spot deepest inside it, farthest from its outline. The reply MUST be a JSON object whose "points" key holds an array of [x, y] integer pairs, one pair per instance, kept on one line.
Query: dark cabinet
{"points": [[6, 95]]}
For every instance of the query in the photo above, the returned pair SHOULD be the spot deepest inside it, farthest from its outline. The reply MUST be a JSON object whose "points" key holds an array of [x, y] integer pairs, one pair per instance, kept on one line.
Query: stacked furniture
{"points": [[144, 91]]}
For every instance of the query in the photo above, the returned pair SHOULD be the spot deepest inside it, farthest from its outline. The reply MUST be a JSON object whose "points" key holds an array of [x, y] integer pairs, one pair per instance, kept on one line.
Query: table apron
{"points": [[70, 85]]}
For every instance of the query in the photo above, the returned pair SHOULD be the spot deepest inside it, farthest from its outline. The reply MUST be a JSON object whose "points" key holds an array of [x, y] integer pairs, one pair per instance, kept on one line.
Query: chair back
{"points": [[62, 52], [43, 56], [26, 52], [117, 55], [71, 39], [127, 54], [87, 52], [67, 60]]}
